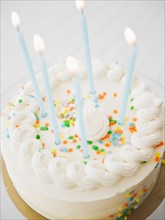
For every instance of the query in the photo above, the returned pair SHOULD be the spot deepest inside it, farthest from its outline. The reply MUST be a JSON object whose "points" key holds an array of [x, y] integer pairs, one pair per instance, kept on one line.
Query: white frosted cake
{"points": [[124, 163]]}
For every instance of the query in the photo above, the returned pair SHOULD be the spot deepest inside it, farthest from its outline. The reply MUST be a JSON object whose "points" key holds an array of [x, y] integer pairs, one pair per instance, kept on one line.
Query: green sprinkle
{"points": [[71, 137], [85, 162], [110, 132], [46, 128], [110, 119], [20, 100], [143, 162], [78, 146], [132, 99], [94, 147], [74, 119], [115, 121], [89, 142], [132, 108], [102, 150], [37, 136], [42, 128]]}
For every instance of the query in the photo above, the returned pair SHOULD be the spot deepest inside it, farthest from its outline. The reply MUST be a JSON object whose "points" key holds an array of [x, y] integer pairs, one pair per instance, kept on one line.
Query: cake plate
{"points": [[145, 210]]}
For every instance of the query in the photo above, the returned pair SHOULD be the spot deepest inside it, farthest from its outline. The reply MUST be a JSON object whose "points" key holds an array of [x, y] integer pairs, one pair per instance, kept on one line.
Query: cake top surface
{"points": [[116, 151]]}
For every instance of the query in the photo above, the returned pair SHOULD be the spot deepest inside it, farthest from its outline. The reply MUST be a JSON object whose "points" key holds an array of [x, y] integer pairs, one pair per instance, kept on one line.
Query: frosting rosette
{"points": [[96, 122]]}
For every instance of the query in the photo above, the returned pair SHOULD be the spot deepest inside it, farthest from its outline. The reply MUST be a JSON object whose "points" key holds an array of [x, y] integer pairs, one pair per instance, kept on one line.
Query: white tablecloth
{"points": [[59, 24]]}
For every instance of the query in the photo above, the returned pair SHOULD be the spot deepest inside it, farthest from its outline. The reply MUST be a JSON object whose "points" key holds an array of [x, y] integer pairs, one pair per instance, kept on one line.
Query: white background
{"points": [[59, 24]]}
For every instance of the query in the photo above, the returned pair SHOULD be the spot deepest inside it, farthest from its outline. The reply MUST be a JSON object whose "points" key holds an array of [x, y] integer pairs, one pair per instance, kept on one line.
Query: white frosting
{"points": [[28, 104], [20, 135], [22, 118], [40, 164], [26, 152], [96, 123], [99, 68], [115, 72], [71, 173]]}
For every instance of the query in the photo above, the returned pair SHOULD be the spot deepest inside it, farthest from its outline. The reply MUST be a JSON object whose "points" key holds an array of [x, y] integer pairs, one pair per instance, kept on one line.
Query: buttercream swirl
{"points": [[20, 135], [40, 162], [26, 152], [115, 72], [96, 123], [27, 103], [99, 68]]}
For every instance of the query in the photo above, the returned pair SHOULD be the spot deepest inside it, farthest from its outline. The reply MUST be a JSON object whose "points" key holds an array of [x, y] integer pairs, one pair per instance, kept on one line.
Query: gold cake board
{"points": [[145, 210]]}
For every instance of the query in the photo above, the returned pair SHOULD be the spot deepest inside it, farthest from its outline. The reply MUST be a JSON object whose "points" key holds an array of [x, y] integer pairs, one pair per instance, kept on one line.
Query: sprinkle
{"points": [[74, 140], [115, 94], [110, 132], [46, 124], [104, 93], [115, 111], [37, 136], [89, 142], [65, 149], [160, 144], [76, 136], [71, 137], [134, 119], [94, 147], [107, 144], [143, 162], [132, 99], [100, 97], [17, 126], [70, 149], [78, 146], [43, 144], [20, 100], [68, 91], [65, 142], [97, 152], [132, 108], [163, 162]]}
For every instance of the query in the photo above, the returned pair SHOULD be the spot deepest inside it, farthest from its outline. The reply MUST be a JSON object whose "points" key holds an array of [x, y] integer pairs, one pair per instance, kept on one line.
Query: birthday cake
{"points": [[124, 160]]}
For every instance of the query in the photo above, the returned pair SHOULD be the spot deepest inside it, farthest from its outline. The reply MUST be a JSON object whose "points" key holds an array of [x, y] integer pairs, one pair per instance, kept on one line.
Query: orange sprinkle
{"points": [[65, 142], [160, 144], [95, 158], [71, 108], [37, 121], [110, 116], [107, 144], [112, 123], [76, 135], [68, 91], [145, 190], [43, 99], [115, 94], [104, 93], [46, 124], [134, 119], [126, 204], [157, 159], [101, 97], [102, 161], [74, 140], [70, 149], [17, 126], [97, 152], [43, 144], [115, 111]]}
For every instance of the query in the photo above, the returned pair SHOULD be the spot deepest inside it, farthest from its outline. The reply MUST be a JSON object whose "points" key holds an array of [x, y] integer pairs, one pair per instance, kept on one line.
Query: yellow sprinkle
{"points": [[119, 215], [71, 121], [163, 162], [120, 208], [157, 154], [118, 128], [57, 102], [102, 153], [137, 200], [141, 192], [125, 218], [61, 136], [128, 195], [126, 119], [54, 151], [36, 125]]}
